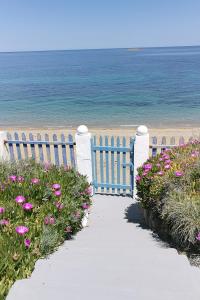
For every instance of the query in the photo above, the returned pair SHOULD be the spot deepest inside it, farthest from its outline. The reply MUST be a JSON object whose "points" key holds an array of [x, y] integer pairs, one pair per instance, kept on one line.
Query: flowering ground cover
{"points": [[168, 187], [40, 207]]}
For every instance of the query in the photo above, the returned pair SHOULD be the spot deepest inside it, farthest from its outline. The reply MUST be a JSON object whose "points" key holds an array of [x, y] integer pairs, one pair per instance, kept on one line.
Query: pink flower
{"points": [[147, 167], [85, 206], [27, 206], [195, 153], [27, 243], [68, 229], [167, 167], [56, 186], [22, 230], [35, 180], [166, 157], [57, 193], [59, 205], [49, 220], [2, 210], [161, 173], [89, 191], [13, 178], [168, 161], [198, 237], [158, 165], [4, 222], [178, 174], [160, 159], [20, 179], [137, 178], [20, 199]]}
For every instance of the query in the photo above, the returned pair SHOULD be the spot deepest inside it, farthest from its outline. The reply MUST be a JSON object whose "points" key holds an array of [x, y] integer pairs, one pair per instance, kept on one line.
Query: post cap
{"points": [[142, 130], [82, 129]]}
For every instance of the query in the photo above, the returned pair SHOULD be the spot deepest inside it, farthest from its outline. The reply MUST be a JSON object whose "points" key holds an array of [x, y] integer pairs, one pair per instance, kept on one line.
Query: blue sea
{"points": [[159, 87]]}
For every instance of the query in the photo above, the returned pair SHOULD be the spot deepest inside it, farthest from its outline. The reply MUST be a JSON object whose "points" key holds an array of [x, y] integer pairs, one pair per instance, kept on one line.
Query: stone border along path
{"points": [[112, 259]]}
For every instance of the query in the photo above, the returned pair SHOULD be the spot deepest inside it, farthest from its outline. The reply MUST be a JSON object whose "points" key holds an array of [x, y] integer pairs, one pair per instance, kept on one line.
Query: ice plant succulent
{"points": [[35, 180], [57, 193], [27, 243], [178, 173], [20, 199], [4, 222], [21, 230], [56, 186], [13, 178]]}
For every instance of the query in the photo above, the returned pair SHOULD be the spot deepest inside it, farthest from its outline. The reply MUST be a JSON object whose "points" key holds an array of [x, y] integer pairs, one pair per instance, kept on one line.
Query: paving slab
{"points": [[114, 258]]}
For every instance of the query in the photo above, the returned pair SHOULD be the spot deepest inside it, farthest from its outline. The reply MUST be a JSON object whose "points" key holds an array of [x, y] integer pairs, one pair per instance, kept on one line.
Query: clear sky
{"points": [[80, 24]]}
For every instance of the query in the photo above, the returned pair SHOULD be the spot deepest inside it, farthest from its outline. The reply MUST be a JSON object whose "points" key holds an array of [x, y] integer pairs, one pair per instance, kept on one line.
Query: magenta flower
{"points": [[22, 230], [168, 161], [4, 222], [88, 191], [49, 220], [57, 193], [137, 178], [158, 165], [198, 237], [35, 180], [20, 179], [20, 199], [161, 173], [85, 206], [195, 153], [160, 159], [147, 167], [166, 157], [59, 205], [13, 178], [27, 206], [2, 210], [27, 243], [56, 186], [144, 173], [178, 174], [167, 167]]}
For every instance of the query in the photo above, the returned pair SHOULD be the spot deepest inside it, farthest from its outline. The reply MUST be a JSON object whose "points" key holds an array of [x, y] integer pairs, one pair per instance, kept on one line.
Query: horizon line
{"points": [[86, 49]]}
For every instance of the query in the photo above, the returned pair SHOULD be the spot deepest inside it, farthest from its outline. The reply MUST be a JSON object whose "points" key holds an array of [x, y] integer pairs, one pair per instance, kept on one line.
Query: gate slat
{"points": [[46, 137], [10, 145], [56, 155], [64, 150], [41, 156], [101, 164], [112, 164], [163, 142], [71, 147], [25, 146], [107, 163], [32, 145], [124, 163], [19, 156], [118, 165]]}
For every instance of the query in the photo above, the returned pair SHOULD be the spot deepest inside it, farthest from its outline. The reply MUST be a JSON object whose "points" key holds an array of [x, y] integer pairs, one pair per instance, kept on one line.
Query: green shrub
{"points": [[48, 202], [168, 186]]}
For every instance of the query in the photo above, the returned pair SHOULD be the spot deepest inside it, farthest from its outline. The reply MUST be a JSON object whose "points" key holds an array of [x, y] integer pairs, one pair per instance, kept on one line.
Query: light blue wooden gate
{"points": [[112, 165]]}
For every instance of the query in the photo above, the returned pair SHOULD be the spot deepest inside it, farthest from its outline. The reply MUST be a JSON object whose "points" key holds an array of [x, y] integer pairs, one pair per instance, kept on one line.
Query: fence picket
{"points": [[19, 155], [25, 146], [163, 142], [71, 147], [154, 149], [31, 138], [10, 145], [41, 156], [101, 163], [112, 164], [181, 140], [46, 136], [118, 165], [172, 140], [64, 152], [107, 164], [124, 163], [56, 154]]}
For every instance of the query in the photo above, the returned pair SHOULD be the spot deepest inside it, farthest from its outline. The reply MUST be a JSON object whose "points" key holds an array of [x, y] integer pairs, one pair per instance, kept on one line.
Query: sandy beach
{"points": [[193, 132]]}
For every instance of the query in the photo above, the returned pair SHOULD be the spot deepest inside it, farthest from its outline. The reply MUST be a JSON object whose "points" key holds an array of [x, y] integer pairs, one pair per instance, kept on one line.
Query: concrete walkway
{"points": [[112, 259]]}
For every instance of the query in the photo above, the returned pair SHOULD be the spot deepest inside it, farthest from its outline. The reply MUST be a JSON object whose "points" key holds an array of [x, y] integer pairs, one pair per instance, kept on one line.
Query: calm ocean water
{"points": [[153, 86]]}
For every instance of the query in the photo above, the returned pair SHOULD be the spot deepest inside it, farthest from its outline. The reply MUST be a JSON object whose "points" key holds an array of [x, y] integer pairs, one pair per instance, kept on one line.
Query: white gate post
{"points": [[83, 152], [4, 153], [141, 150]]}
